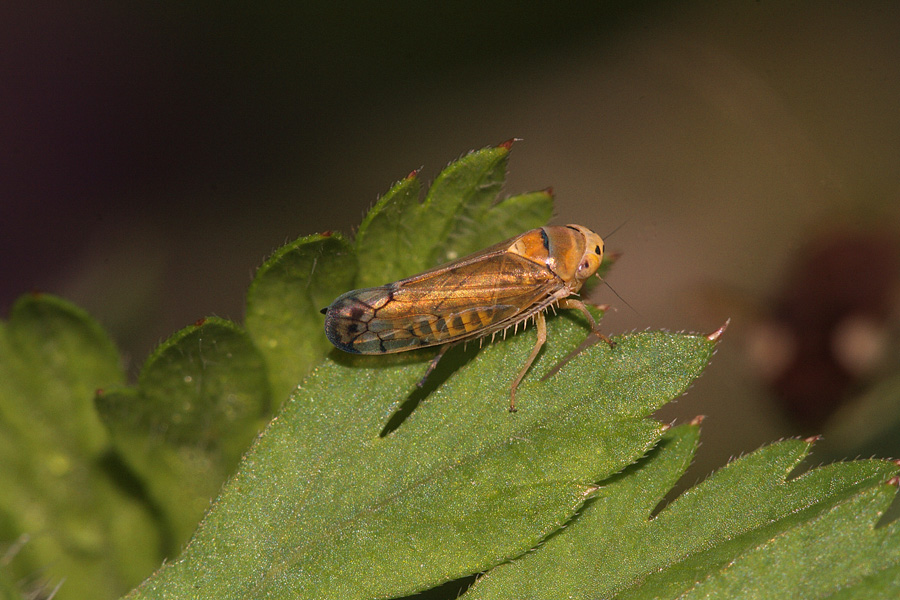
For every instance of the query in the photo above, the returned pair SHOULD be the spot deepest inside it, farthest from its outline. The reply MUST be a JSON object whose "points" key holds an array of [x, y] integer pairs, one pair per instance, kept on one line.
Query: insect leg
{"points": [[595, 329], [434, 362], [541, 323], [589, 341]]}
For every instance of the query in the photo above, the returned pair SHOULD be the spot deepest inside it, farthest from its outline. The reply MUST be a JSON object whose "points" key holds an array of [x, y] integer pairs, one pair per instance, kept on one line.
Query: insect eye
{"points": [[597, 250]]}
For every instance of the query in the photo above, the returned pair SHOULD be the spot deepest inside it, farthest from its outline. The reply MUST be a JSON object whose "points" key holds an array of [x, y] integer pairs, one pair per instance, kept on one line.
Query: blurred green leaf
{"points": [[64, 518], [200, 400], [868, 424], [8, 588]]}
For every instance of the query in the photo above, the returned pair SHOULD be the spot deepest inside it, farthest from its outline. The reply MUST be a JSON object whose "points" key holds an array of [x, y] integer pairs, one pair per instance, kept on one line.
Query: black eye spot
{"points": [[597, 250]]}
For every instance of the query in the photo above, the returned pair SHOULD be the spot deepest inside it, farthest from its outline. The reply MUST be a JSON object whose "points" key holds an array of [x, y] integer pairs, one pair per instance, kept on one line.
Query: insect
{"points": [[479, 295]]}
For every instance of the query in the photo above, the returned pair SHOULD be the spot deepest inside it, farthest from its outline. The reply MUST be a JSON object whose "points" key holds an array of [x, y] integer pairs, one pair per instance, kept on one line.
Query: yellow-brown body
{"points": [[472, 297]]}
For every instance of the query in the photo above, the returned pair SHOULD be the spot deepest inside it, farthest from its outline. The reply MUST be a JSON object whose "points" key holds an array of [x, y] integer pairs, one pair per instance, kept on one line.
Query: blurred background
{"points": [[154, 154]]}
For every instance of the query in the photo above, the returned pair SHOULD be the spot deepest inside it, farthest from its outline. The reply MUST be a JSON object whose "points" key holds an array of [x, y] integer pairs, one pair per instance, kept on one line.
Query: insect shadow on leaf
{"points": [[453, 359], [458, 355]]}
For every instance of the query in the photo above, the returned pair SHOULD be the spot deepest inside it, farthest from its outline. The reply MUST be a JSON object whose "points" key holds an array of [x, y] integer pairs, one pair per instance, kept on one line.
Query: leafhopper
{"points": [[479, 295]]}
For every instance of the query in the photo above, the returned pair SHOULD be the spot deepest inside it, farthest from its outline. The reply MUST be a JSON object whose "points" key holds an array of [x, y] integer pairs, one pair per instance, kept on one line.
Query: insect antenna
{"points": [[613, 290], [620, 226]]}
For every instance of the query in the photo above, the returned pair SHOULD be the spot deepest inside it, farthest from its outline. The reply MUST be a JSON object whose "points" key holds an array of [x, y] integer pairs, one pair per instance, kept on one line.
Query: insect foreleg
{"points": [[541, 323], [595, 329], [589, 341]]}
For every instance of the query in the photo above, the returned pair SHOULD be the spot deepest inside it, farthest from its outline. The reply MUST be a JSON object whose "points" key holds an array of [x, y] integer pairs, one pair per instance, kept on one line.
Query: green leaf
{"points": [[838, 553], [283, 305], [62, 511], [199, 402], [386, 242], [745, 532], [460, 215], [325, 507], [869, 424]]}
